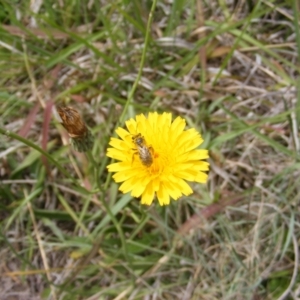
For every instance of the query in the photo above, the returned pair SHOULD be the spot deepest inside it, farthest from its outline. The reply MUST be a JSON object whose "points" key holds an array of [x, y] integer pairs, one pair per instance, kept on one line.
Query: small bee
{"points": [[144, 152]]}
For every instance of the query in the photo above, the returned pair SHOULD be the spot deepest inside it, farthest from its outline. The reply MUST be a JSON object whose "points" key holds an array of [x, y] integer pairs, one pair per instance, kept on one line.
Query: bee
{"points": [[144, 152]]}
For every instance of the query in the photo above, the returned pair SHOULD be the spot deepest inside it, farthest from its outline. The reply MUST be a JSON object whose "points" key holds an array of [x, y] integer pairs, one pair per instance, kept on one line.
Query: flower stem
{"points": [[142, 62], [106, 206], [37, 148]]}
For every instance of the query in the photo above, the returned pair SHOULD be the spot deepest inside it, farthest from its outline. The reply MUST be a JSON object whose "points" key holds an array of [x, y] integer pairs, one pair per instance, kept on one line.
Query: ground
{"points": [[230, 69]]}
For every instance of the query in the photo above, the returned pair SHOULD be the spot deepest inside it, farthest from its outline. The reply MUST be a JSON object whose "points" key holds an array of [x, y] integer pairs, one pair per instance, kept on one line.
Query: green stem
{"points": [[142, 62], [106, 206], [37, 148], [121, 121]]}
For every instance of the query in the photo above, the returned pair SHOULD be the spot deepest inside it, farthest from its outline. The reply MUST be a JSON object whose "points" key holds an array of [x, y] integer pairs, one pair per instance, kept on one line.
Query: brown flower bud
{"points": [[72, 121], [81, 137]]}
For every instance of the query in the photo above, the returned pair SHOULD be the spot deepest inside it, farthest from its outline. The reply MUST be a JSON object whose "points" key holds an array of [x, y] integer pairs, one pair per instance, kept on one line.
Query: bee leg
{"points": [[151, 150], [135, 153]]}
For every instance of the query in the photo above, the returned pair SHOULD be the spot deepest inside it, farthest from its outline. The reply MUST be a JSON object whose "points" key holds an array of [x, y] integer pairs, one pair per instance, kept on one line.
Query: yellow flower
{"points": [[156, 157]]}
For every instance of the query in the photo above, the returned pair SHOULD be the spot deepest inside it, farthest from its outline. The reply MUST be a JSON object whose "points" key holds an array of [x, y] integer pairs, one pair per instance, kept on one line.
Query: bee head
{"points": [[138, 139]]}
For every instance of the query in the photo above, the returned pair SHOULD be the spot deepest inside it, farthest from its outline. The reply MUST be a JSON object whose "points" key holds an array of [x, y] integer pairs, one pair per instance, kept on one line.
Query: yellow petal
{"points": [[131, 126], [140, 121], [118, 167], [192, 155], [122, 133], [125, 175], [148, 195], [138, 189], [163, 195], [178, 126], [116, 154], [127, 185], [201, 177], [118, 144], [172, 190], [183, 187]]}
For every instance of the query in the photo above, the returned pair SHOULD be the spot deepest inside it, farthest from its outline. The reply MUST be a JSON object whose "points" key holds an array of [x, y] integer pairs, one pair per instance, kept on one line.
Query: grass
{"points": [[231, 70]]}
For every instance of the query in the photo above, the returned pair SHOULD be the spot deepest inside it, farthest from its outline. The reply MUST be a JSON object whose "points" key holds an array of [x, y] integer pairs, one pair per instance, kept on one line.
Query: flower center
{"points": [[161, 163]]}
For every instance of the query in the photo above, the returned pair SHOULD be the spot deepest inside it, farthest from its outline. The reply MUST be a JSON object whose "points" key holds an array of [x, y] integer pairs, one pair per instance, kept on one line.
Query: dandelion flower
{"points": [[156, 157]]}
